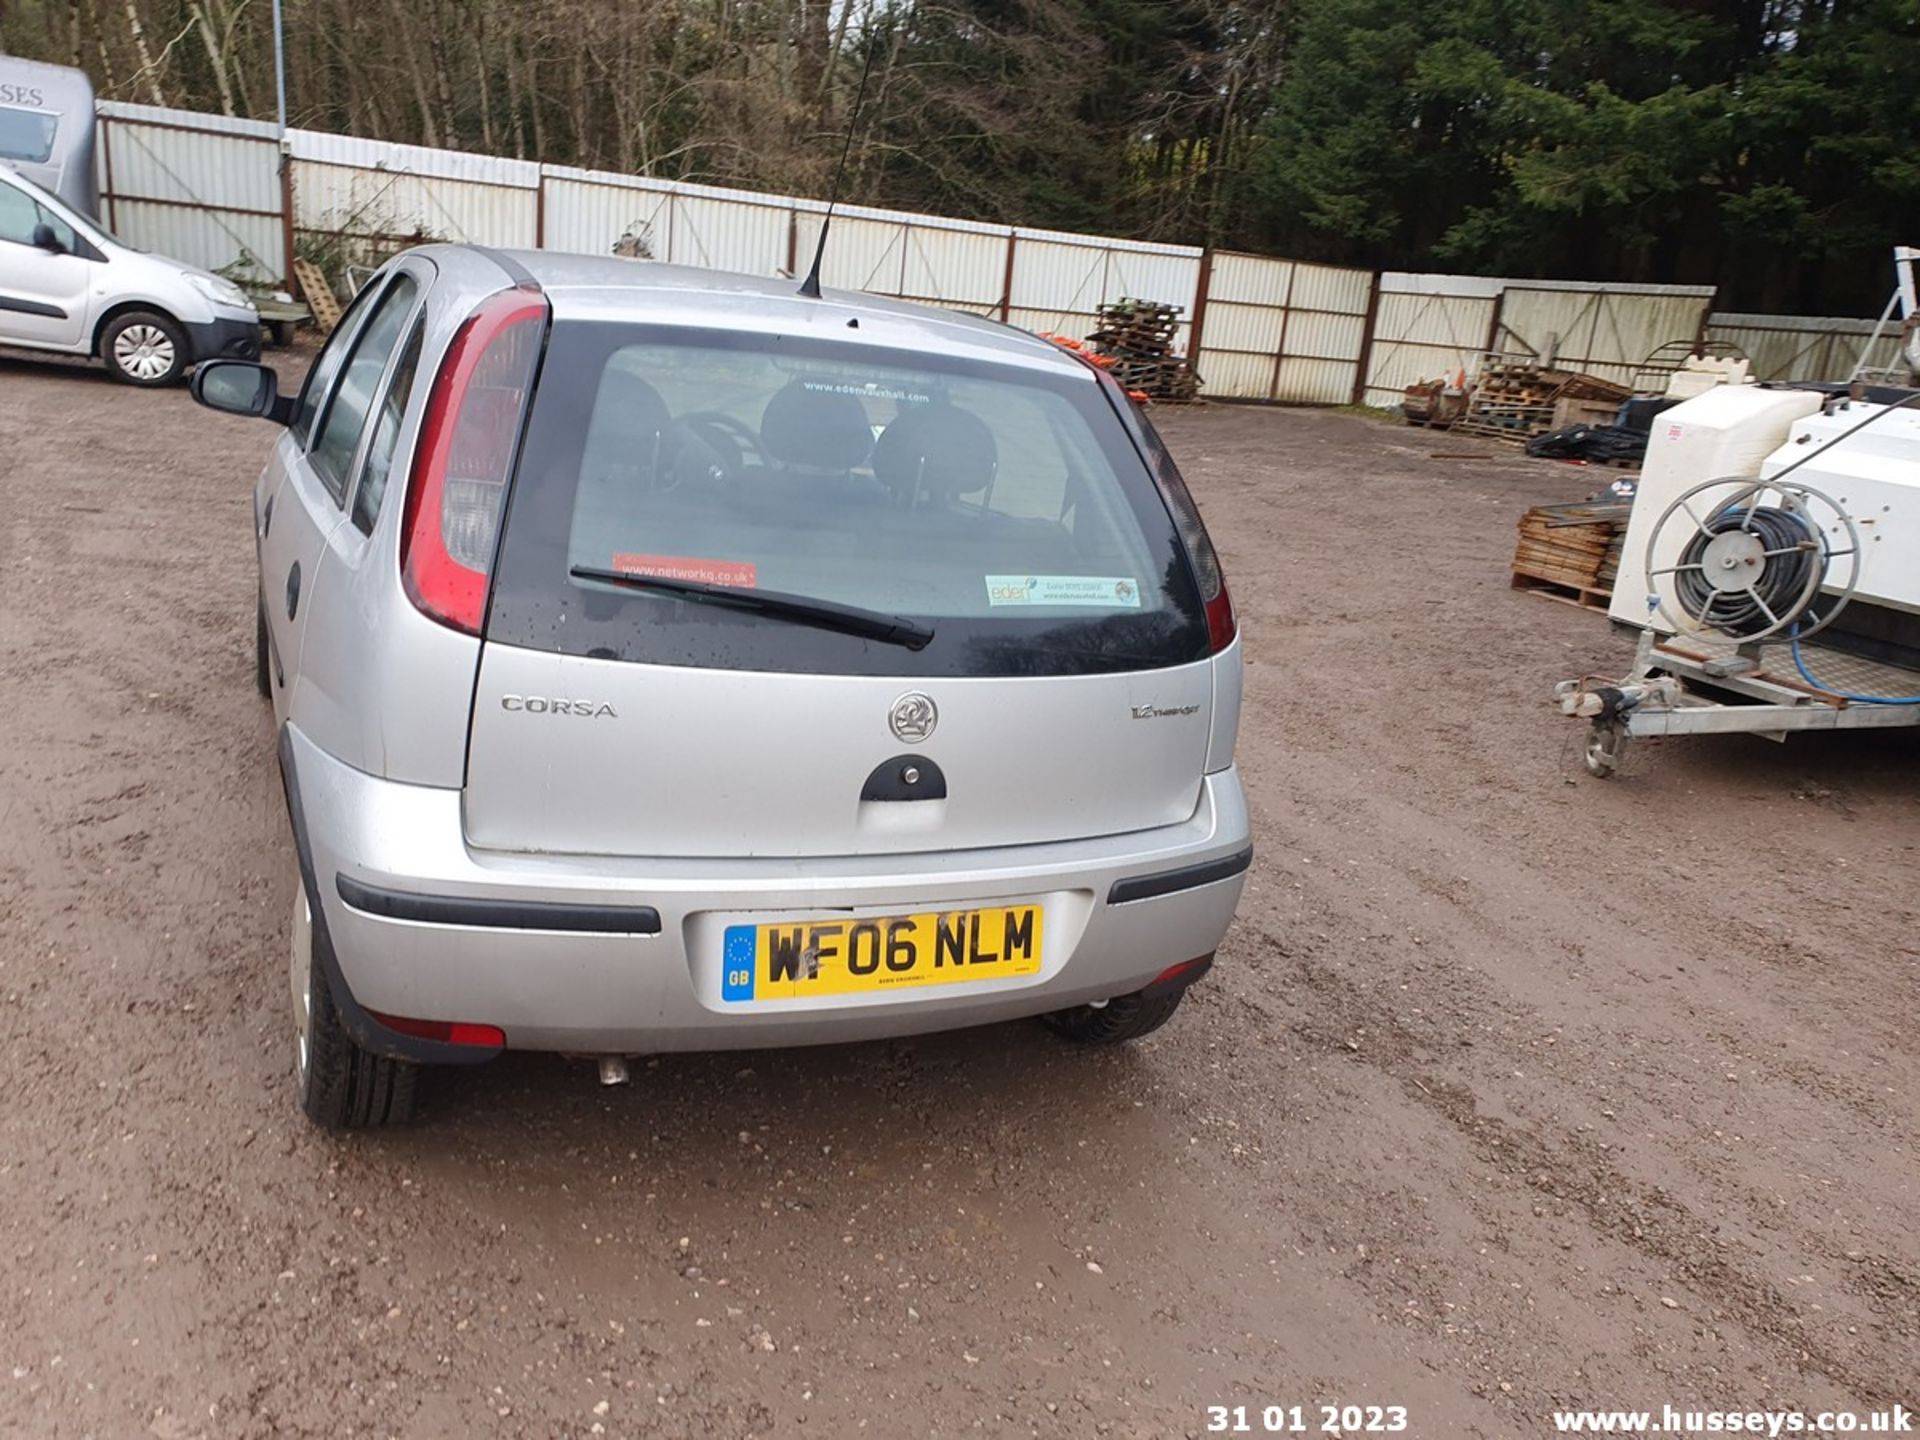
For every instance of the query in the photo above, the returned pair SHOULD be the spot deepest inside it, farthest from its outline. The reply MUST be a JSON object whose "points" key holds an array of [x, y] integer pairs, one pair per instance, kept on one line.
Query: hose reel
{"points": [[1764, 557]]}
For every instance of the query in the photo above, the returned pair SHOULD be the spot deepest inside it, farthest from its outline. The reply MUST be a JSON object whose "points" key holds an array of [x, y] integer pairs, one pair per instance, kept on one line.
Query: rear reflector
{"points": [[447, 1032], [1185, 970], [464, 459]]}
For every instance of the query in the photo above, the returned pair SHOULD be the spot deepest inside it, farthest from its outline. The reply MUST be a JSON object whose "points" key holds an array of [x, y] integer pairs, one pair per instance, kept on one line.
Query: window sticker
{"points": [[871, 390], [1106, 591], [740, 574]]}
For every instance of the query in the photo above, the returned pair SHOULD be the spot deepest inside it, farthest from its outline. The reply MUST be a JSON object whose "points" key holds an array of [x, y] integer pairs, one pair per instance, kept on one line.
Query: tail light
{"points": [[1221, 625], [465, 457]]}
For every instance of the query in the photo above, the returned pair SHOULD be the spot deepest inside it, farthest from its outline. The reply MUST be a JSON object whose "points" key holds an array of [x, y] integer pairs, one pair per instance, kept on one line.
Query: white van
{"points": [[46, 129], [68, 286]]}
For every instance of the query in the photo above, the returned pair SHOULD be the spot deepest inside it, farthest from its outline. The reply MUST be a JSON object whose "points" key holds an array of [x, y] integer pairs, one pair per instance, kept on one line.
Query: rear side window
{"points": [[1005, 507], [347, 413], [392, 409], [27, 134]]}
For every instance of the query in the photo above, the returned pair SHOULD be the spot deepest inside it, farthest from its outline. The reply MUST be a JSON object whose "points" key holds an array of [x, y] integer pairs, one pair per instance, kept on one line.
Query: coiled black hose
{"points": [[1782, 580]]}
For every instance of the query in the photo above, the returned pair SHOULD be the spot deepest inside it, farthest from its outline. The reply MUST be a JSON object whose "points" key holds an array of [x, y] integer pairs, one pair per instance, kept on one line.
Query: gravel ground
{"points": [[1511, 1090]]}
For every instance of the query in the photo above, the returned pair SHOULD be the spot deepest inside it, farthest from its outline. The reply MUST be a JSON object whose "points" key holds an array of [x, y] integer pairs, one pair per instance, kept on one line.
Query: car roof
{"points": [[600, 287]]}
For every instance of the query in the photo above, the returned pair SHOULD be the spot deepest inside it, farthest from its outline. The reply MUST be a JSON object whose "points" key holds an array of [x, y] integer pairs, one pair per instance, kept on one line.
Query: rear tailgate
{"points": [[601, 757], [1066, 690]]}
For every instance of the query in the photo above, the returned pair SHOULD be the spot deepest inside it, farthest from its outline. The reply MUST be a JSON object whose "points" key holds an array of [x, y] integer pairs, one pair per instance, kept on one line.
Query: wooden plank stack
{"points": [[1515, 399], [1138, 335], [1571, 552]]}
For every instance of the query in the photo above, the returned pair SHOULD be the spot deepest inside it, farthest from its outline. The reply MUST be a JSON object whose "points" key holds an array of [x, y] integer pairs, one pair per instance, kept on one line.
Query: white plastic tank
{"points": [[1724, 434], [1874, 476]]}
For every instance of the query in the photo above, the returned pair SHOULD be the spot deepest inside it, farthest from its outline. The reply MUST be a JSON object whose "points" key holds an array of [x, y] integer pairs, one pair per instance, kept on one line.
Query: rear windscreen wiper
{"points": [[848, 619]]}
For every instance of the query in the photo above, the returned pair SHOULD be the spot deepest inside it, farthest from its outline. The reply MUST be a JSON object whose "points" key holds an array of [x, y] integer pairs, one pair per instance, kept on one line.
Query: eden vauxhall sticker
{"points": [[741, 574], [1106, 591]]}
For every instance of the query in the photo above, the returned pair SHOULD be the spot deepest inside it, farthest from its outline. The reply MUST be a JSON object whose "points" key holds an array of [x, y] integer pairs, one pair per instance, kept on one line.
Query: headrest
{"points": [[626, 411], [936, 451], [809, 424]]}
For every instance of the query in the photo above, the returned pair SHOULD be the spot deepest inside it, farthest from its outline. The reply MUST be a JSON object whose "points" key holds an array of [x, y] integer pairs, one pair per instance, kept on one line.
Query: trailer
{"points": [[1772, 565], [1712, 685]]}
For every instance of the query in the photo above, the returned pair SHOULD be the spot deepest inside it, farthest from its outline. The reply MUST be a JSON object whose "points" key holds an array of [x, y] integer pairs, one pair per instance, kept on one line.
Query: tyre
{"points": [[262, 661], [1123, 1018], [341, 1086], [144, 347]]}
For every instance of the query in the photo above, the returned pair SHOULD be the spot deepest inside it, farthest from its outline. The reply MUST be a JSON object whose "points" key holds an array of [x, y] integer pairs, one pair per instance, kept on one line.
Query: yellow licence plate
{"points": [[798, 959]]}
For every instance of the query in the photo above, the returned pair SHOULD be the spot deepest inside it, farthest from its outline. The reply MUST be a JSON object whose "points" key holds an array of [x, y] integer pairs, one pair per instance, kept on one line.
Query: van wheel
{"points": [[144, 347], [342, 1087], [1123, 1018], [262, 662]]}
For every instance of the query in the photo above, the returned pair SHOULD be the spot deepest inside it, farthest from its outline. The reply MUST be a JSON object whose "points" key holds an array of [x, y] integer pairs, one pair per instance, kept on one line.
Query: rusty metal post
{"points": [[1365, 363], [106, 158], [1202, 288], [1280, 347], [287, 250], [1006, 283], [1493, 325]]}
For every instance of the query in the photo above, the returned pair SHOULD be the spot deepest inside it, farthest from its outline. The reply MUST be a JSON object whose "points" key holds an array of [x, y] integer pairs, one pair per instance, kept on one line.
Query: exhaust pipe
{"points": [[613, 1070]]}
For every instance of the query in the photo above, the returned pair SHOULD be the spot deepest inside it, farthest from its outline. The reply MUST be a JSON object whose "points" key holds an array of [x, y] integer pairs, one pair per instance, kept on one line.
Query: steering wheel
{"points": [[710, 450], [725, 433]]}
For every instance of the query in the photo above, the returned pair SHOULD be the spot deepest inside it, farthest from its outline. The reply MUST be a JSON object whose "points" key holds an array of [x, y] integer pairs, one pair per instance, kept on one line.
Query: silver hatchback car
{"points": [[665, 660]]}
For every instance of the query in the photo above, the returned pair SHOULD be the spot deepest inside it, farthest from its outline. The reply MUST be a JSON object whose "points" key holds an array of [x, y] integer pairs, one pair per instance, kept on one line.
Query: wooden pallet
{"points": [[1516, 399], [1573, 547], [1515, 429], [318, 294], [1135, 339], [1585, 597]]}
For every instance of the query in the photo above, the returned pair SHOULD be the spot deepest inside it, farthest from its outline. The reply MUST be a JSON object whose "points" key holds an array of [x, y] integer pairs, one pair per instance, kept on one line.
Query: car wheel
{"points": [[1123, 1018], [144, 347], [262, 661], [341, 1085]]}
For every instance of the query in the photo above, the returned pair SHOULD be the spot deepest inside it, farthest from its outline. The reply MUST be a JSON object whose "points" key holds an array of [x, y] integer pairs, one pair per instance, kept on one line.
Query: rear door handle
{"points": [[293, 590]]}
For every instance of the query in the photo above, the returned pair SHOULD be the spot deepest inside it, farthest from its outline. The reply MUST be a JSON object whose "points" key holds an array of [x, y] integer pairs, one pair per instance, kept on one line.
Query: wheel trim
{"points": [[143, 351], [300, 978]]}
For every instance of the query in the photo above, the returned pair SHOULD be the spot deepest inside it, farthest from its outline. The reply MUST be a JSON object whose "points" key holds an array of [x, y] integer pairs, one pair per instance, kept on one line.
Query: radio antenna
{"points": [[810, 287]]}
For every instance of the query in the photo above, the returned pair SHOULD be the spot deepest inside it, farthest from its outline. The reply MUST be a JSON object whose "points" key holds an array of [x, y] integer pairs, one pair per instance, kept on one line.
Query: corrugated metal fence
{"points": [[223, 193], [1805, 347]]}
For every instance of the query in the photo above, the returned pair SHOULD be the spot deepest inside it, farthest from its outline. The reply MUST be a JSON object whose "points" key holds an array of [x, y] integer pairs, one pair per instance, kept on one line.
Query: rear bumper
{"points": [[225, 337], [439, 931]]}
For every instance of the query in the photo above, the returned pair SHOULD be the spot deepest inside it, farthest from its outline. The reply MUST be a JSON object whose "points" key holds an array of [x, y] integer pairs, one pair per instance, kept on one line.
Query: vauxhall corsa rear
{"points": [[663, 660]]}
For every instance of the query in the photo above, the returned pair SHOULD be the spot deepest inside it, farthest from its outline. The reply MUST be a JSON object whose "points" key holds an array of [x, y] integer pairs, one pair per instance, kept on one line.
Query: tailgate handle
{"points": [[905, 777]]}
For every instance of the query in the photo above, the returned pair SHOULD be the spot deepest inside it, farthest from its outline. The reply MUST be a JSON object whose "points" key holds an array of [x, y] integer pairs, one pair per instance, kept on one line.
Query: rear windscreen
{"points": [[26, 134], [1005, 508]]}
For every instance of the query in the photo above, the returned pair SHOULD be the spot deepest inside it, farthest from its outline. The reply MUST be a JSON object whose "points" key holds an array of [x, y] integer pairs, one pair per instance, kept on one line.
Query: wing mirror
{"points": [[45, 239], [240, 387]]}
